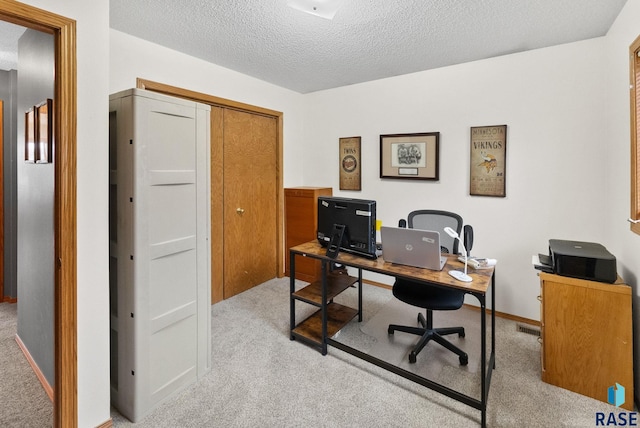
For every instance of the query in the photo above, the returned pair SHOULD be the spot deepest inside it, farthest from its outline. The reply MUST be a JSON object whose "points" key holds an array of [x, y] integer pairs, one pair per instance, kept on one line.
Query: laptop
{"points": [[412, 247]]}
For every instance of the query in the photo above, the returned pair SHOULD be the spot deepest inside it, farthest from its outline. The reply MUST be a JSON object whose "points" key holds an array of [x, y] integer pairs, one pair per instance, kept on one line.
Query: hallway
{"points": [[24, 401]]}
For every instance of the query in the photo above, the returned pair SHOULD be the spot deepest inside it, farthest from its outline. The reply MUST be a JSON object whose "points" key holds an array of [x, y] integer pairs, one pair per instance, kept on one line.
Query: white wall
{"points": [[552, 101], [35, 187], [625, 244], [92, 198], [132, 58]]}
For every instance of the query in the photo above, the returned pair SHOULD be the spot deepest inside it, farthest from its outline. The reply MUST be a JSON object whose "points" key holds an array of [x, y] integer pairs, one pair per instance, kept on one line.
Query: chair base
{"points": [[429, 333]]}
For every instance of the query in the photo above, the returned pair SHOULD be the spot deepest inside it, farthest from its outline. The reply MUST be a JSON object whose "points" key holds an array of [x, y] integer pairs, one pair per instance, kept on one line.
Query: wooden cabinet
{"points": [[586, 336], [301, 219]]}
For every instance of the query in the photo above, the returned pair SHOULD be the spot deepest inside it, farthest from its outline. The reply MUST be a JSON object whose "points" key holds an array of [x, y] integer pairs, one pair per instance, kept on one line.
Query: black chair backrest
{"points": [[437, 220]]}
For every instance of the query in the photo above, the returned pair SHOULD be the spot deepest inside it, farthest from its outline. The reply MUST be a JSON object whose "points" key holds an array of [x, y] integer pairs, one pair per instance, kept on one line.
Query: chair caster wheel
{"points": [[464, 360], [461, 334], [390, 330], [412, 358]]}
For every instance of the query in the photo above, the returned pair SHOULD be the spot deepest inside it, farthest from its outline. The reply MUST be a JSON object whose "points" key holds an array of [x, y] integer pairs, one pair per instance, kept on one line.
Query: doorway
{"points": [[65, 325], [266, 123]]}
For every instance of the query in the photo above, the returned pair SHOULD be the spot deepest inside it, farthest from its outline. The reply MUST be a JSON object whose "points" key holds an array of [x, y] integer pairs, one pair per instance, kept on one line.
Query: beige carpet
{"points": [[23, 401], [260, 378]]}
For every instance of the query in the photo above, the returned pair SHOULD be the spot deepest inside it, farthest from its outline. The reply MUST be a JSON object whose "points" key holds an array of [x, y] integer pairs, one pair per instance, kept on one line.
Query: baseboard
{"points": [[106, 424], [507, 316], [498, 314], [6, 299], [377, 284], [35, 368]]}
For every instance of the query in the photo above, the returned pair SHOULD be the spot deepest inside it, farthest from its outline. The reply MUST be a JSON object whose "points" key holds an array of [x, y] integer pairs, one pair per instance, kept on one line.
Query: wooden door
{"points": [[1, 202], [220, 223], [250, 200]]}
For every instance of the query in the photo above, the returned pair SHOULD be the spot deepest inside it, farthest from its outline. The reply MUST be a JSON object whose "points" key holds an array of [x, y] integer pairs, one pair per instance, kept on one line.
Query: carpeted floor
{"points": [[23, 401], [261, 378]]}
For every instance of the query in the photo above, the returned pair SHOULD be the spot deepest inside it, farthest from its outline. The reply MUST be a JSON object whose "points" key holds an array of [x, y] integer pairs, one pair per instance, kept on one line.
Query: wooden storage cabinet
{"points": [[301, 219], [586, 336]]}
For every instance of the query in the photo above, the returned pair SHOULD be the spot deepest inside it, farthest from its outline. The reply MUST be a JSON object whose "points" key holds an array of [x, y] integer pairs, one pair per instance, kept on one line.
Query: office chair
{"points": [[432, 297]]}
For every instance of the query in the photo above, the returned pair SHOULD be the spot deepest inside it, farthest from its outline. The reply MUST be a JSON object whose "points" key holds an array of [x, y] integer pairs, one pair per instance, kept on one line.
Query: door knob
{"points": [[239, 210]]}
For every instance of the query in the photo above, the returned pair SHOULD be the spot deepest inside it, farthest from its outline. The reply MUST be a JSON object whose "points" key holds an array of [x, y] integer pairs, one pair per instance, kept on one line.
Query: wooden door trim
{"points": [[65, 407], [202, 97], [1, 201], [225, 103]]}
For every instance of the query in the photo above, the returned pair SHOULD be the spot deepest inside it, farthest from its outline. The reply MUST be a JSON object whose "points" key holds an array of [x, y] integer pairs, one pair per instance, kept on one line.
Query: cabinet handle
{"points": [[240, 210]]}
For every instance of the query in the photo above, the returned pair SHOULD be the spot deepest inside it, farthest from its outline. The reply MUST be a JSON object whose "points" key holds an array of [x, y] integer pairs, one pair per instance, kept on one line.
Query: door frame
{"points": [[216, 190], [65, 406], [2, 299]]}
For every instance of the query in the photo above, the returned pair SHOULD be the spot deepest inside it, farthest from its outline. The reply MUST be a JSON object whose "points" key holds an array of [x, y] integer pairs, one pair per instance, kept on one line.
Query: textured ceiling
{"points": [[366, 40]]}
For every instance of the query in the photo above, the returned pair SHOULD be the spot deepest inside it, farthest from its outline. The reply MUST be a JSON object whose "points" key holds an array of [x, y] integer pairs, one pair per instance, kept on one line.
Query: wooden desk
{"points": [[319, 328]]}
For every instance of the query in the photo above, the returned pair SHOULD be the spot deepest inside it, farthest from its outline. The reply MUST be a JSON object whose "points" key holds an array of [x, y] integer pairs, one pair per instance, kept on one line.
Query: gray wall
{"points": [[9, 94], [35, 250]]}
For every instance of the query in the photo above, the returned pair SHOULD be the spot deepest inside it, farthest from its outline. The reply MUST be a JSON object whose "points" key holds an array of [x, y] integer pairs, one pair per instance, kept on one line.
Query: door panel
{"points": [[1, 203], [250, 200], [161, 321], [220, 199]]}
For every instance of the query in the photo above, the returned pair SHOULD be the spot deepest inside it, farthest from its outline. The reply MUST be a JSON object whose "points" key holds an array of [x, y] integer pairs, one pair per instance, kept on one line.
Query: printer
{"points": [[584, 260]]}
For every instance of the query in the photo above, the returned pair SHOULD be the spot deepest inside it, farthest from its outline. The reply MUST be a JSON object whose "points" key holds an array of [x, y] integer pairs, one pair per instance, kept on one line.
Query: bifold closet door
{"points": [[163, 213], [250, 200]]}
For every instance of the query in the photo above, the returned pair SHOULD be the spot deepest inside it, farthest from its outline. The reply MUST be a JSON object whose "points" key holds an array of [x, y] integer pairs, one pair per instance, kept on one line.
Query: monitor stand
{"points": [[336, 239]]}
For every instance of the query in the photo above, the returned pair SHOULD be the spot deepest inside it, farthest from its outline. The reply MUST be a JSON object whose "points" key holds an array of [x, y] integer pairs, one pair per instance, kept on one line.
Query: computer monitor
{"points": [[358, 216]]}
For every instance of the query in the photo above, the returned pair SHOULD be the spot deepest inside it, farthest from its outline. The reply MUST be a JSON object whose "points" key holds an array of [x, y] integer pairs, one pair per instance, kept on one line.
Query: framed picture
{"points": [[44, 131], [350, 177], [30, 135], [488, 160], [410, 156]]}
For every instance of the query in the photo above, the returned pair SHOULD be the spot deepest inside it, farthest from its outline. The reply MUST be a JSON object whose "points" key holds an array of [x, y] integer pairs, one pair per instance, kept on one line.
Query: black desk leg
{"points": [[483, 359], [292, 289], [493, 317], [359, 295], [323, 307]]}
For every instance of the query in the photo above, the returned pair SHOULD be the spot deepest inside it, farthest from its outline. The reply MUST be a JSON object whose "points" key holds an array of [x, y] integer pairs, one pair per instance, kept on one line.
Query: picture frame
{"points": [[350, 163], [30, 135], [44, 131], [488, 155], [410, 156]]}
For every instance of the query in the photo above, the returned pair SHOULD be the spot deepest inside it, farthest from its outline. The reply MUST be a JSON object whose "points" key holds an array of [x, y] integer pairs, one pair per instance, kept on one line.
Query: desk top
{"points": [[481, 277]]}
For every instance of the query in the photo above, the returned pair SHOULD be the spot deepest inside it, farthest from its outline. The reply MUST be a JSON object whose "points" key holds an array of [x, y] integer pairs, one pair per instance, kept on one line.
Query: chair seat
{"points": [[429, 297]]}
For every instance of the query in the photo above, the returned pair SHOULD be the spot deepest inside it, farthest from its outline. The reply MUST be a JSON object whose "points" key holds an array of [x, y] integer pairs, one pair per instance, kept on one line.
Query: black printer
{"points": [[584, 260]]}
